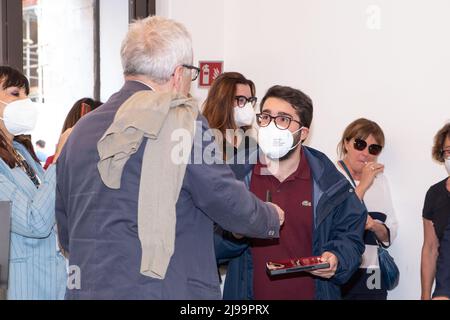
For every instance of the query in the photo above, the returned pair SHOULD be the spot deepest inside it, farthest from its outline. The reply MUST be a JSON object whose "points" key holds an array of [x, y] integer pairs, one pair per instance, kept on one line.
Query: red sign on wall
{"points": [[29, 3], [209, 71]]}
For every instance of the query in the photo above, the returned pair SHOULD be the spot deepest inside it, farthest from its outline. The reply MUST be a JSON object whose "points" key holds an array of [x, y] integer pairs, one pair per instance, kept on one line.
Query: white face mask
{"points": [[20, 116], [276, 143], [447, 165], [244, 116]]}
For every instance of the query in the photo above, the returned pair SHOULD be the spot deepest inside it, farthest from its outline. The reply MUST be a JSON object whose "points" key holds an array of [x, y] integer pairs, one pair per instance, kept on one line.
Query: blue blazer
{"points": [[37, 269], [98, 225]]}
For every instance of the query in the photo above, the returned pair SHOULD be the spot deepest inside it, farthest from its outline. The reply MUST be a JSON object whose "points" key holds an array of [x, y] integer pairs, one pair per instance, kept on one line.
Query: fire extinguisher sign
{"points": [[209, 71]]}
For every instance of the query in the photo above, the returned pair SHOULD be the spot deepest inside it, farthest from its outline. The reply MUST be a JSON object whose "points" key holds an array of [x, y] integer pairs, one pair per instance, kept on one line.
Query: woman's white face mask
{"points": [[20, 116], [244, 116]]}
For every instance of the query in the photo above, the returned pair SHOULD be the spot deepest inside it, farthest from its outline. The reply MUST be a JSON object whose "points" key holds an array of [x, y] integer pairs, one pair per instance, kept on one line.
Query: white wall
{"points": [[394, 70]]}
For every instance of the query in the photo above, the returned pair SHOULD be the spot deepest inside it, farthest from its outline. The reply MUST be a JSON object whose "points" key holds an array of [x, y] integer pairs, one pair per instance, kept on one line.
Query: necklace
{"points": [[23, 164]]}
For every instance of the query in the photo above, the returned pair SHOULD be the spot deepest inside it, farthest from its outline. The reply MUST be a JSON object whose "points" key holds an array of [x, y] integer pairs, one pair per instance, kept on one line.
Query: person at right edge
{"points": [[360, 146], [436, 216]]}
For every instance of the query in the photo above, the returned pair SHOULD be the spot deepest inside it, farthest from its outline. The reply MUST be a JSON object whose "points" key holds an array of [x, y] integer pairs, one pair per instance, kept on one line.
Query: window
{"points": [[57, 45], [142, 9]]}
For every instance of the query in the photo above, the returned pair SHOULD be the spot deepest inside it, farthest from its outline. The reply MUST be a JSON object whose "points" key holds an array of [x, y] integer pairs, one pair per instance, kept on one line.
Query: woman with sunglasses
{"points": [[361, 144], [436, 217], [37, 270], [229, 108]]}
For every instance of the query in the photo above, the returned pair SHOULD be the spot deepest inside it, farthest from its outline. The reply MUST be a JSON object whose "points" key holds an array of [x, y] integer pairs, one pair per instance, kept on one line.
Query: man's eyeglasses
{"points": [[281, 122], [195, 71], [360, 145], [242, 101]]}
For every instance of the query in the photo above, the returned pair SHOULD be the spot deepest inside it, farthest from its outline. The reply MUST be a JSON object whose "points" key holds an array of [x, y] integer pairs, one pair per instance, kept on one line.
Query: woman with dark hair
{"points": [[79, 109], [37, 269], [230, 110], [361, 144], [436, 215]]}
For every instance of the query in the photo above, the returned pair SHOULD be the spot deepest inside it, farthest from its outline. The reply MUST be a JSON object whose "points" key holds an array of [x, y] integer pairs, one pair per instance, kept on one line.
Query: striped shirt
{"points": [[37, 270]]}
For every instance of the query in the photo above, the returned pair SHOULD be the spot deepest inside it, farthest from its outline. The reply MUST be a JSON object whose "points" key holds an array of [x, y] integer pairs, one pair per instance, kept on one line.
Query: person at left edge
{"points": [[37, 268]]}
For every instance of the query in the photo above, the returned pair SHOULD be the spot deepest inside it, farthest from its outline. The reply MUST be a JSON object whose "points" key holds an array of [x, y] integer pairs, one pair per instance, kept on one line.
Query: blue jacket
{"points": [[98, 226], [339, 222]]}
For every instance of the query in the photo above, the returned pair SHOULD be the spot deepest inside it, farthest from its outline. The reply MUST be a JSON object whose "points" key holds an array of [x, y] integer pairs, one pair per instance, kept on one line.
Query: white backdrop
{"points": [[387, 60]]}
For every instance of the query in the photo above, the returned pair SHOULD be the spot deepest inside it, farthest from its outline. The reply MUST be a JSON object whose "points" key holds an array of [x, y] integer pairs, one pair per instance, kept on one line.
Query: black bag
{"points": [[388, 268]]}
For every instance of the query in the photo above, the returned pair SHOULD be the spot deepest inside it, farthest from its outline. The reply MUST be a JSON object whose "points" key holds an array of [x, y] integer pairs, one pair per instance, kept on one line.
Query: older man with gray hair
{"points": [[134, 223]]}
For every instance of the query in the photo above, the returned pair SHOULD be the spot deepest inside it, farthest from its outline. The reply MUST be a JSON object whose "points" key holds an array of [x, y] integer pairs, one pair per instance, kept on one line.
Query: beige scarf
{"points": [[155, 116]]}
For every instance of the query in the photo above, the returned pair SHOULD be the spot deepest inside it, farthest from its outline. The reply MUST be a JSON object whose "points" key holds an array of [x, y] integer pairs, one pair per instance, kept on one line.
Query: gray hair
{"points": [[154, 47]]}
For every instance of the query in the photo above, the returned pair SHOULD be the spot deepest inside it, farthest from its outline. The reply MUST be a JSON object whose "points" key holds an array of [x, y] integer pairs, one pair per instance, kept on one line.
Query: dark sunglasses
{"points": [[360, 145]]}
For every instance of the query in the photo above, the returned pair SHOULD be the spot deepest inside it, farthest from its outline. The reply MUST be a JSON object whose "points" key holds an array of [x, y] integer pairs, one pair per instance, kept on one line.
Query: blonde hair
{"points": [[154, 47]]}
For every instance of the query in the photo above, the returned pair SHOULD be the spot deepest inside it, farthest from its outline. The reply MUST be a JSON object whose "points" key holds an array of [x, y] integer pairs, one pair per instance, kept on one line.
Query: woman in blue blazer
{"points": [[37, 269]]}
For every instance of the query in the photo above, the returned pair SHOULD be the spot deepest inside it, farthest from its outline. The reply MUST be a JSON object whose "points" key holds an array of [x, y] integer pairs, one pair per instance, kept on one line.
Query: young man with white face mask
{"points": [[324, 217]]}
